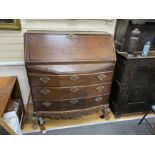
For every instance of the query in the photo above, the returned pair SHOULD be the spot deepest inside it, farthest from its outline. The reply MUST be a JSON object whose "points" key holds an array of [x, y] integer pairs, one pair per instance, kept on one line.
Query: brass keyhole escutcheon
{"points": [[45, 91], [44, 79], [101, 76], [99, 98], [74, 89], [47, 104], [74, 77], [100, 88], [71, 36]]}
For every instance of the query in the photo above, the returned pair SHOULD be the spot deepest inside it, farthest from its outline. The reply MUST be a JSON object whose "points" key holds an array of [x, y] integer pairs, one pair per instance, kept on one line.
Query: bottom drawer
{"points": [[74, 104]]}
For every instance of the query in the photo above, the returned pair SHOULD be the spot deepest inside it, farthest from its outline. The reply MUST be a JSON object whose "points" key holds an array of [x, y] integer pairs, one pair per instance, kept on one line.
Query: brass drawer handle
{"points": [[74, 89], [71, 36], [47, 104], [74, 77], [45, 91], [98, 99], [74, 101], [100, 88], [101, 76], [44, 79]]}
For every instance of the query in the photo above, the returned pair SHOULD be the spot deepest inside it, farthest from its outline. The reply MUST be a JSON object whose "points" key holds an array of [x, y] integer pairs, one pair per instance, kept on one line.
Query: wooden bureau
{"points": [[70, 73]]}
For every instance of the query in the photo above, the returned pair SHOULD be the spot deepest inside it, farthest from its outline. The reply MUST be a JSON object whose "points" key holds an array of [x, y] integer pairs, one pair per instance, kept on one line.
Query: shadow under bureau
{"points": [[70, 73]]}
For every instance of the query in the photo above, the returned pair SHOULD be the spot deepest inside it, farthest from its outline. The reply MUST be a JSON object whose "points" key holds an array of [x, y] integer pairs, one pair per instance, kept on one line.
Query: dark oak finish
{"points": [[133, 85], [72, 113], [72, 104], [69, 74], [124, 28], [71, 68], [70, 80], [68, 48], [59, 93]]}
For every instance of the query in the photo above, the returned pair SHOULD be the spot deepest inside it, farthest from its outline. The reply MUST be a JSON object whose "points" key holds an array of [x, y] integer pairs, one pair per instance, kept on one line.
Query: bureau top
{"points": [[68, 47]]}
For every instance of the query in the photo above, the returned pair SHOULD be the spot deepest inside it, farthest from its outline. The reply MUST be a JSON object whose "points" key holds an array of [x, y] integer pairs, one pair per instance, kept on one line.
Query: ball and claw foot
{"points": [[41, 125], [35, 122], [105, 114]]}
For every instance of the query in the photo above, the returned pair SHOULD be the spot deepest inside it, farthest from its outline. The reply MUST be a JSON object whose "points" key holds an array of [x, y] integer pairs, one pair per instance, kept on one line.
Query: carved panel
{"points": [[136, 86]]}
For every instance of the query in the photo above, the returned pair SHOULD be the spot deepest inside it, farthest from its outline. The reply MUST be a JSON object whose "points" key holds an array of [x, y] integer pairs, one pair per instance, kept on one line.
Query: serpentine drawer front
{"points": [[70, 80], [69, 73], [57, 93], [72, 104]]}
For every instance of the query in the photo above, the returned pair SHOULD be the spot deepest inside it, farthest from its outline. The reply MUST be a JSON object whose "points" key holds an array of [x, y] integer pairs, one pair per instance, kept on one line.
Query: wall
{"points": [[12, 43]]}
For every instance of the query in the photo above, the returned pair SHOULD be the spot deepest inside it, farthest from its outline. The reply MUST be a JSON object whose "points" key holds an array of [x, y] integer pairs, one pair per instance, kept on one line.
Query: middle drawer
{"points": [[58, 93], [72, 104], [70, 80]]}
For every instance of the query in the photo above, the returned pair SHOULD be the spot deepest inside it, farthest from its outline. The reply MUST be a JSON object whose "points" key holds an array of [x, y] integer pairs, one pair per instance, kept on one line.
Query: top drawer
{"points": [[70, 80]]}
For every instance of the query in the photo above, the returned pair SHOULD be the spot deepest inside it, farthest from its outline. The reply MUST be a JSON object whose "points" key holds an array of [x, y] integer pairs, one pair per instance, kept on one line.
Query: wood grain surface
{"points": [[68, 66], [6, 87]]}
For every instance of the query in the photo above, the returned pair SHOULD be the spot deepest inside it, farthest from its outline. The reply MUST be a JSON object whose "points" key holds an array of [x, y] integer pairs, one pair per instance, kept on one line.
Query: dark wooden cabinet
{"points": [[70, 73], [133, 86], [133, 83], [124, 28]]}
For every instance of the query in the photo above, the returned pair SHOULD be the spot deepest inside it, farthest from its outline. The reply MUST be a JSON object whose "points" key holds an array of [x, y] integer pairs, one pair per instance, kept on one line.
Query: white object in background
{"points": [[12, 120], [12, 63]]}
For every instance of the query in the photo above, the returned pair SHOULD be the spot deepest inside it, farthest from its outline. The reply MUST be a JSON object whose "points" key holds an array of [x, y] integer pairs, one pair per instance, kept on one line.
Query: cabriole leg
{"points": [[35, 122], [41, 125], [106, 112]]}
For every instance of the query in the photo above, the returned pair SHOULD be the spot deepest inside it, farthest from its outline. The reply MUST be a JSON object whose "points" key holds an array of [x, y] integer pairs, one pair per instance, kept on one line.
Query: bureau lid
{"points": [[52, 47]]}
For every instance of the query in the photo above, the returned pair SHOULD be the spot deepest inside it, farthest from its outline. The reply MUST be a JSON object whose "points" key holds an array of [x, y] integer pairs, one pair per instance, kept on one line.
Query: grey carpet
{"points": [[129, 127]]}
